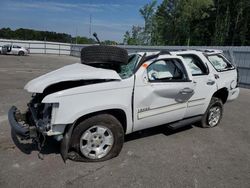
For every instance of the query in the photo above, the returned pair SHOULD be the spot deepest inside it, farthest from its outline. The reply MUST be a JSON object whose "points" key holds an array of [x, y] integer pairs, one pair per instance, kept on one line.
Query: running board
{"points": [[184, 122]]}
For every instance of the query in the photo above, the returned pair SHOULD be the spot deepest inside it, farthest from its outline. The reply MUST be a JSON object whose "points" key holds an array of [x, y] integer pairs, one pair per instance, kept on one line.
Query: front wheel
{"points": [[98, 138], [213, 115]]}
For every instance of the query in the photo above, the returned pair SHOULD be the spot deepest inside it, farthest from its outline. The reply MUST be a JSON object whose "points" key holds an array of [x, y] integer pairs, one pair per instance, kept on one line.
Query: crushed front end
{"points": [[36, 120]]}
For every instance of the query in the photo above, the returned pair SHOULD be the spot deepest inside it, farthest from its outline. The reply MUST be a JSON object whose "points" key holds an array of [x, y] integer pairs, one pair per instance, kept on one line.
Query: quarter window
{"points": [[219, 62], [167, 71]]}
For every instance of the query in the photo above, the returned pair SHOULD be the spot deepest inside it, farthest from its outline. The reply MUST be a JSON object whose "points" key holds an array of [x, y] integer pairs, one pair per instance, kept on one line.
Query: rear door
{"points": [[205, 85], [162, 89]]}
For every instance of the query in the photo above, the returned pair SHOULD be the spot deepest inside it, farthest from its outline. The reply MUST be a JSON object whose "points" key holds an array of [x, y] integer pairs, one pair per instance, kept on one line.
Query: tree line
{"points": [[193, 22], [30, 34]]}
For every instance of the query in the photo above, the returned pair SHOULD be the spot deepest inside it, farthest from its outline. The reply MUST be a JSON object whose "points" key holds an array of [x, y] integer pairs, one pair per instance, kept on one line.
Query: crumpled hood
{"points": [[72, 72]]}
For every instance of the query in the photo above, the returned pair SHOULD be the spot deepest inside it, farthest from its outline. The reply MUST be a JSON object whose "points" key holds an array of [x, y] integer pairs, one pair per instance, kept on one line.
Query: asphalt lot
{"points": [[158, 157]]}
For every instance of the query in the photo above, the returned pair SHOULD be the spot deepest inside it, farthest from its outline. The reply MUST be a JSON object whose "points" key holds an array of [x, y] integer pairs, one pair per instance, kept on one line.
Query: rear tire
{"points": [[21, 53], [213, 115], [93, 145], [104, 54]]}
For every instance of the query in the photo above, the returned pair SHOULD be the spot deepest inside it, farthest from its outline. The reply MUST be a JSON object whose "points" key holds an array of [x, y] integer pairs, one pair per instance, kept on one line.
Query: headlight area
{"points": [[42, 115]]}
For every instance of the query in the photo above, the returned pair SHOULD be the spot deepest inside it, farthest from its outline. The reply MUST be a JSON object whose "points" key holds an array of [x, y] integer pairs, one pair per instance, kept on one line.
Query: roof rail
{"points": [[209, 50]]}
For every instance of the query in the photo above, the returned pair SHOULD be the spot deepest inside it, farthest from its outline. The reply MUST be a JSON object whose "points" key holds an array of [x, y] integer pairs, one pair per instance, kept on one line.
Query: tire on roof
{"points": [[104, 54]]}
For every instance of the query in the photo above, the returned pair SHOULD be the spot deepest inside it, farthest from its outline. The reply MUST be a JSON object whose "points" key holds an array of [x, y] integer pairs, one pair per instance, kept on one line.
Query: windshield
{"points": [[128, 69]]}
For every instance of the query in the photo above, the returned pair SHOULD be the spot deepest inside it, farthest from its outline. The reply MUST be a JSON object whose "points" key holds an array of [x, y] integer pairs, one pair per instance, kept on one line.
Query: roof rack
{"points": [[209, 50]]}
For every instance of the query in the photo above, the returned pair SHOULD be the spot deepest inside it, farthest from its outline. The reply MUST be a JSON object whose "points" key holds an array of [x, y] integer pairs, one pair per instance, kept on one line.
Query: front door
{"points": [[161, 93]]}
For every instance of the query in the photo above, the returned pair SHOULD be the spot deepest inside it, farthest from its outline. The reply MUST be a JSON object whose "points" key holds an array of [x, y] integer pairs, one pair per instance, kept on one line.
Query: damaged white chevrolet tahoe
{"points": [[90, 106]]}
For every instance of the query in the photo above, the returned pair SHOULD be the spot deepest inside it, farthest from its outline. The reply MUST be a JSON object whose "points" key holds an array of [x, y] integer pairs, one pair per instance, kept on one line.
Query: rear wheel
{"points": [[21, 53], [98, 138], [213, 115]]}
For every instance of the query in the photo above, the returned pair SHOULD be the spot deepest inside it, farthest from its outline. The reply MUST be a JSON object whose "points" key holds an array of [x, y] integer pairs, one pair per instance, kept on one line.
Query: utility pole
{"points": [[90, 25], [76, 35]]}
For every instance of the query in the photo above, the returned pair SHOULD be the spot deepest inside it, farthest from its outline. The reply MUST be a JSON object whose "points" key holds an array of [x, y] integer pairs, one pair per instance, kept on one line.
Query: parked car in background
{"points": [[14, 49]]}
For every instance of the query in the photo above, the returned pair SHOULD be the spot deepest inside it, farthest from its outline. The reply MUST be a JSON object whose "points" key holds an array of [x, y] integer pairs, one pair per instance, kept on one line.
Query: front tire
{"points": [[213, 115], [98, 138]]}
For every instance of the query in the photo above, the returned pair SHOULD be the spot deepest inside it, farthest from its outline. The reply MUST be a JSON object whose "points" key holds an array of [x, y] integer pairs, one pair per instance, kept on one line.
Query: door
{"points": [[15, 49], [161, 93], [205, 85], [6, 49]]}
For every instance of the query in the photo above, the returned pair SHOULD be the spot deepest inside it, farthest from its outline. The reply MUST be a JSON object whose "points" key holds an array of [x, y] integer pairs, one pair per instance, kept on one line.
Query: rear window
{"points": [[220, 63]]}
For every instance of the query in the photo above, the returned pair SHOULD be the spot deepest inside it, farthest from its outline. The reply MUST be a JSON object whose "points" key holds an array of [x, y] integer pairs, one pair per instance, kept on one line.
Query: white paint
{"points": [[155, 103], [161, 110], [72, 72]]}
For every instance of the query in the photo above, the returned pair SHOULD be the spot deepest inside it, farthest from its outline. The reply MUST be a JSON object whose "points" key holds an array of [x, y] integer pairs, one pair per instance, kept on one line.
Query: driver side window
{"points": [[170, 70]]}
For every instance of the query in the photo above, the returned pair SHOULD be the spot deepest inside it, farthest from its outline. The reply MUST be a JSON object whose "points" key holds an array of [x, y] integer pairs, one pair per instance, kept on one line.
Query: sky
{"points": [[110, 18]]}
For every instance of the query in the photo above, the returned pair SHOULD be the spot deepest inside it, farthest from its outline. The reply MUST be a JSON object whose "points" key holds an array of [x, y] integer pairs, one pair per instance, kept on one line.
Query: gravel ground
{"points": [[156, 157]]}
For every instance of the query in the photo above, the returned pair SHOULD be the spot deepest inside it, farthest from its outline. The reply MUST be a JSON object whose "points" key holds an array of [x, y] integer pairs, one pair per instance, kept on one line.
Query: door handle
{"points": [[210, 82], [186, 91]]}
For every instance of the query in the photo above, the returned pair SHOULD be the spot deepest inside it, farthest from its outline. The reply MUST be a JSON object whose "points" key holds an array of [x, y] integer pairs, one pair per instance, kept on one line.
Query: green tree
{"points": [[147, 12], [135, 37]]}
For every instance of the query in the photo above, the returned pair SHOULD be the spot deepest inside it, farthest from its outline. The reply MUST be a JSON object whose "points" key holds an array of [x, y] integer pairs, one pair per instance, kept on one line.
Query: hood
{"points": [[72, 72]]}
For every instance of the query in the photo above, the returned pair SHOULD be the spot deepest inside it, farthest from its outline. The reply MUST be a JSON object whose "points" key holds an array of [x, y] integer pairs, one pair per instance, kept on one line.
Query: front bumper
{"points": [[18, 123]]}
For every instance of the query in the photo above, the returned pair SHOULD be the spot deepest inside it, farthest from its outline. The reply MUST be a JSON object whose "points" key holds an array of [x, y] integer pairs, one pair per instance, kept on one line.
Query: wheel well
{"points": [[117, 113], [221, 94]]}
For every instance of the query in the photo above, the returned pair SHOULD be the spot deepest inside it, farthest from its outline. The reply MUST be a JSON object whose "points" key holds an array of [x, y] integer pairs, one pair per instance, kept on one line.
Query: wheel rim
{"points": [[214, 116], [96, 142]]}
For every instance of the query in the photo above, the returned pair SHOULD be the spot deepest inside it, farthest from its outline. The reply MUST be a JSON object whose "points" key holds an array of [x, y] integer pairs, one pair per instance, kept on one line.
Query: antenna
{"points": [[96, 37]]}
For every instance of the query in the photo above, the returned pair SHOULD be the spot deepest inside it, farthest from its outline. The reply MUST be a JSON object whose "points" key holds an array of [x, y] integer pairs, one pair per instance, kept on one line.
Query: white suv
{"points": [[89, 107]]}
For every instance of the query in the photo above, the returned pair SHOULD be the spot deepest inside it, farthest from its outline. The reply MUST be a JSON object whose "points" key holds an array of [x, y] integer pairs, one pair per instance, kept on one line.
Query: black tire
{"points": [[215, 102], [21, 53], [105, 120], [104, 54]]}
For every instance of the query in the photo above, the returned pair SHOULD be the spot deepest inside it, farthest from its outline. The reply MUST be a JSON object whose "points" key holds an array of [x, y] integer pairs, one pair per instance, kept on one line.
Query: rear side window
{"points": [[170, 70], [196, 66], [219, 62]]}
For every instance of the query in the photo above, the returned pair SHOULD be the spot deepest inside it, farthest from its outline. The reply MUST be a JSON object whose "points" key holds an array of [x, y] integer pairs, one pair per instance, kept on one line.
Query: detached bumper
{"points": [[15, 120]]}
